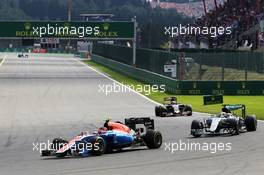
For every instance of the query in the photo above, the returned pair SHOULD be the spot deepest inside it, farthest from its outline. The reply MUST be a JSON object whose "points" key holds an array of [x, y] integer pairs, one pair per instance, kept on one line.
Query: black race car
{"points": [[172, 108], [227, 122], [22, 55]]}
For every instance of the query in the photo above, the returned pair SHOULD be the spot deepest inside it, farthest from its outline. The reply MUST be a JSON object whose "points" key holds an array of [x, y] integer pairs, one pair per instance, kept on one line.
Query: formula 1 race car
{"points": [[104, 141], [172, 108], [227, 122], [22, 55]]}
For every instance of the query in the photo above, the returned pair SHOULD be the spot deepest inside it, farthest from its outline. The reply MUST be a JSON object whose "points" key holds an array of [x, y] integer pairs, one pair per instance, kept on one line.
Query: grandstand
{"points": [[190, 8], [200, 57], [243, 17]]}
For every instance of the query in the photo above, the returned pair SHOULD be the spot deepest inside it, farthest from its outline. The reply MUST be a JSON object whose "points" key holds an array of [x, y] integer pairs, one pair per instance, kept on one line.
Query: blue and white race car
{"points": [[102, 141]]}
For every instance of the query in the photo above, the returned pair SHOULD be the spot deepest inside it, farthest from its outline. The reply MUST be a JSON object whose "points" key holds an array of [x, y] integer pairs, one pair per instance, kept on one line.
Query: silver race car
{"points": [[227, 122]]}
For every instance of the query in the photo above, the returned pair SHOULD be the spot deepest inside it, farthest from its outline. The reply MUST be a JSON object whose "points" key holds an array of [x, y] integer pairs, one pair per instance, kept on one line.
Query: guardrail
{"points": [[184, 87]]}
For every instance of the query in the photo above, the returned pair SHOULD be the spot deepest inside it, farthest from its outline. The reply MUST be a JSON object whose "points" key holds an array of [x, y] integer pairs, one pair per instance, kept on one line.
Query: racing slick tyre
{"points": [[162, 111], [45, 152], [153, 139], [196, 126], [251, 123], [98, 146], [157, 111], [188, 109]]}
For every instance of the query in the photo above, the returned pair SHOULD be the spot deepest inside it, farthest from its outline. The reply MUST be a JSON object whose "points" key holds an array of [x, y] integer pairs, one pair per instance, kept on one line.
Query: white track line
{"points": [[3, 60], [129, 87], [104, 75]]}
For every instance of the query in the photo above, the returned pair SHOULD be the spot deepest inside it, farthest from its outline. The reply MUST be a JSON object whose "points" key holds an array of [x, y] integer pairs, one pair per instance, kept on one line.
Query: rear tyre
{"points": [[251, 123], [153, 139], [98, 146], [196, 128]]}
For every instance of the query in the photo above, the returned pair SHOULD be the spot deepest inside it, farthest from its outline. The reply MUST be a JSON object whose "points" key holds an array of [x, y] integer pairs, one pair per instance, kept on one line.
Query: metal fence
{"points": [[184, 87], [207, 65]]}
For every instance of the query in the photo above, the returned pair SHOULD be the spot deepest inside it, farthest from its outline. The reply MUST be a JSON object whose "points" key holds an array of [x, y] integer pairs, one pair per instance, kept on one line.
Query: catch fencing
{"points": [[192, 65], [184, 87]]}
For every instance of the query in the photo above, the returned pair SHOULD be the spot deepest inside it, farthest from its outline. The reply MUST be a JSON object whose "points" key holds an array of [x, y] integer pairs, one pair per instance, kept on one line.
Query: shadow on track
{"points": [[80, 157]]}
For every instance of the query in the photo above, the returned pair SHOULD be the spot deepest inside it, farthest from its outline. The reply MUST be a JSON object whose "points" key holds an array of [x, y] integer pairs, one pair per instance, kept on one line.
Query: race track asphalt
{"points": [[42, 97]]}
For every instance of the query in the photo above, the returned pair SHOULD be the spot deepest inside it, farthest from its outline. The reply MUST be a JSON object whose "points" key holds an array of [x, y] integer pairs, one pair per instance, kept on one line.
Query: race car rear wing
{"points": [[170, 99], [146, 121], [234, 107]]}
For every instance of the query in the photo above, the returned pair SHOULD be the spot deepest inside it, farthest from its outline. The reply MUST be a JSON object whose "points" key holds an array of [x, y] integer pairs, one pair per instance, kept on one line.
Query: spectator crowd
{"points": [[240, 15]]}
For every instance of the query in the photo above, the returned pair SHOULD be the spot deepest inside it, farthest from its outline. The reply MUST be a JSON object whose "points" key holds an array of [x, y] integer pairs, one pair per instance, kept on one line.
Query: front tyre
{"points": [[196, 128], [162, 111], [45, 153], [157, 111], [251, 123], [98, 146], [153, 139]]}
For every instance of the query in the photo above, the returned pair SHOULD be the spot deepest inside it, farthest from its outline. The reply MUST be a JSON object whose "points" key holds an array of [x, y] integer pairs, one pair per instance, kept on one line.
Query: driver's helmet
{"points": [[173, 100], [226, 110]]}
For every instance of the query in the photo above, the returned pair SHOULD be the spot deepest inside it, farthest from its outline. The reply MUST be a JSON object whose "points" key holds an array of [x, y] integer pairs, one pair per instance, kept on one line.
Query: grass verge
{"points": [[253, 103]]}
